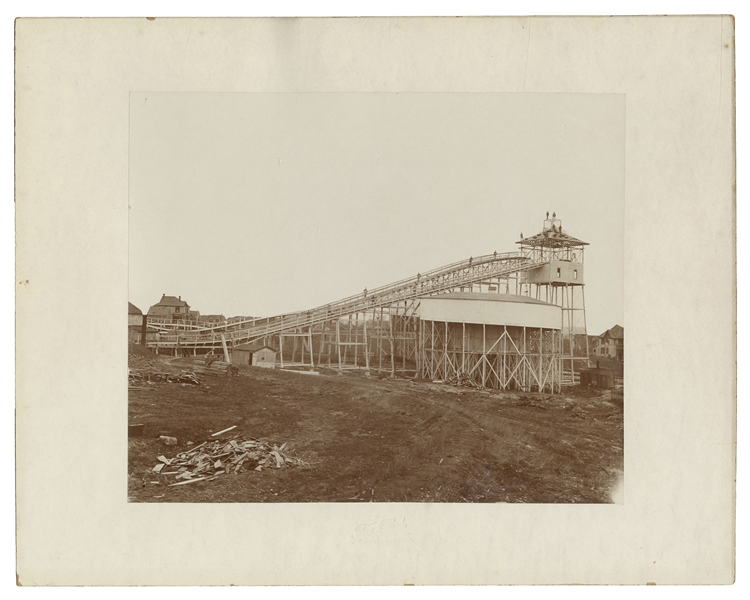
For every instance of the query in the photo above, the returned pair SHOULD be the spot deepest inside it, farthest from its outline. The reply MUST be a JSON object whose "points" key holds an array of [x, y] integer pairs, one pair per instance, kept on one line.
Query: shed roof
{"points": [[133, 309], [252, 347]]}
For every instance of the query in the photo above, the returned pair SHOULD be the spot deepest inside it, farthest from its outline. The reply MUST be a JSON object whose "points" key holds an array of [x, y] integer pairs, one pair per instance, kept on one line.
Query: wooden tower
{"points": [[559, 280]]}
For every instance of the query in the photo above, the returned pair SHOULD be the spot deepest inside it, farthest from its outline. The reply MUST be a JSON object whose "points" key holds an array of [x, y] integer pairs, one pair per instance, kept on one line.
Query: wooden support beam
{"points": [[367, 348], [338, 342]]}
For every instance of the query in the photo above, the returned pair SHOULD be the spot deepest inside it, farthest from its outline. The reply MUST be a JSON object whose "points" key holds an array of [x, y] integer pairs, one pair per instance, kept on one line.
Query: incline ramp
{"points": [[445, 279]]}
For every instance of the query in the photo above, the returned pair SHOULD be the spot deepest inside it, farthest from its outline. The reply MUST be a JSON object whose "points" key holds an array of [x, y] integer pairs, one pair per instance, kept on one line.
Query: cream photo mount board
{"points": [[73, 81]]}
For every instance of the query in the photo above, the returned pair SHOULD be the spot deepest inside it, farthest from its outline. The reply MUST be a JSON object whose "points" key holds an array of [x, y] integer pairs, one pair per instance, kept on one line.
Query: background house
{"points": [[170, 309], [138, 330], [610, 344], [135, 316], [213, 320], [135, 324]]}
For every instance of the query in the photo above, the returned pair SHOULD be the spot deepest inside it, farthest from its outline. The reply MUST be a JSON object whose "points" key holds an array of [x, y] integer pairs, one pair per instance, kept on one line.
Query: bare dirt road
{"points": [[382, 440]]}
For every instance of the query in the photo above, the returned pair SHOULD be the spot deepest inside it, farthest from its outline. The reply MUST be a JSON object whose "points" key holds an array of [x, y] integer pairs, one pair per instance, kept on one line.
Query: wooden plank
{"points": [[223, 431], [188, 481]]}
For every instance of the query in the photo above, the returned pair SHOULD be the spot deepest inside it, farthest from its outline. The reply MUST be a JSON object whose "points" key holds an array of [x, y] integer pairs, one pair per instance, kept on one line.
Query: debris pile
{"points": [[213, 458], [139, 377], [462, 379]]}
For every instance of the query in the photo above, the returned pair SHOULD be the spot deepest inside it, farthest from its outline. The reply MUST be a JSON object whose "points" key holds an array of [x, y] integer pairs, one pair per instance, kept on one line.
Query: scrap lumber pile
{"points": [[461, 379], [135, 378], [150, 369], [211, 459], [215, 367]]}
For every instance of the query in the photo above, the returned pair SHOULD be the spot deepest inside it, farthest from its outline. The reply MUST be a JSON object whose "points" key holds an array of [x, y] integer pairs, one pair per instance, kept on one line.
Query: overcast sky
{"points": [[261, 204]]}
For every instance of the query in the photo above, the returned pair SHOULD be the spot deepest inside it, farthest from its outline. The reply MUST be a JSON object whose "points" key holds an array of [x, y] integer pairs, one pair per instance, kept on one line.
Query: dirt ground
{"points": [[382, 440]]}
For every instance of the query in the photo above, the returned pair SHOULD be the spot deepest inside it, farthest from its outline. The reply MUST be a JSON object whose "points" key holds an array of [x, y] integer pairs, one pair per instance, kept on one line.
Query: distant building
{"points": [[135, 324], [231, 320], [170, 309], [610, 344], [597, 377], [135, 316], [214, 319], [256, 355], [137, 327]]}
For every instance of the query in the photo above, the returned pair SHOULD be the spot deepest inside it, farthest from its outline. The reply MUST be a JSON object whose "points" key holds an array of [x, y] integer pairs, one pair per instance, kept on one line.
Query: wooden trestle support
{"points": [[492, 356], [382, 340]]}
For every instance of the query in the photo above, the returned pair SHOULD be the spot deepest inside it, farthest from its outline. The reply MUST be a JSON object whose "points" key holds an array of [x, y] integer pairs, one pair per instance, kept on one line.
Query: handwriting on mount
{"points": [[378, 528]]}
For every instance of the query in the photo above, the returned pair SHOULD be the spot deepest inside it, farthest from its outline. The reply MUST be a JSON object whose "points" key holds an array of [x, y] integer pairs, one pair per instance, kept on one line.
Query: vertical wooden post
{"points": [[432, 351], [541, 346], [392, 341], [367, 353], [484, 354], [302, 359], [419, 350], [503, 382], [380, 340], [224, 346], [356, 339], [338, 341], [312, 356], [463, 347], [445, 353], [322, 343]]}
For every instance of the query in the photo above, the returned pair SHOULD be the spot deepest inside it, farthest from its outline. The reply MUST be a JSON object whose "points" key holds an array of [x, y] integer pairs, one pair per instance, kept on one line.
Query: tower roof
{"points": [[552, 236], [552, 239]]}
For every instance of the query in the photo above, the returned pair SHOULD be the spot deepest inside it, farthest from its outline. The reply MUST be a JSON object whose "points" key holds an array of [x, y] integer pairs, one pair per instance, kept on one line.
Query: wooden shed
{"points": [[256, 355], [601, 378]]}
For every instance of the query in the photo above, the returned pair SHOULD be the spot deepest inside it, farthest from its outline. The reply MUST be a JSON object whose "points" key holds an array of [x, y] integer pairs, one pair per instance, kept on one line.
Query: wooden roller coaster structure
{"points": [[377, 329]]}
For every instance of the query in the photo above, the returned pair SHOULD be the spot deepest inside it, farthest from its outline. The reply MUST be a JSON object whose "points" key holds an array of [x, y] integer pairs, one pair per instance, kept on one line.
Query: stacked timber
{"points": [[215, 367]]}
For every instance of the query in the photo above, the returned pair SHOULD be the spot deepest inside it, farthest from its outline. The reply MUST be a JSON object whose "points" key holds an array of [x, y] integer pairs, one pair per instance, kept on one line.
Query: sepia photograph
{"points": [[376, 297], [379, 275]]}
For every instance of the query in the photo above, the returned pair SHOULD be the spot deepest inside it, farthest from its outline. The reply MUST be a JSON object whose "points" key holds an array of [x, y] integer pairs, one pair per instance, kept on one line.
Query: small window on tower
{"points": [[558, 272], [575, 274]]}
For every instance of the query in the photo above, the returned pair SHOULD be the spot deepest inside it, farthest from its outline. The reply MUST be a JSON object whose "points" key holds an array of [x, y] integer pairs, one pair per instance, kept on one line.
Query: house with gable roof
{"points": [[170, 309]]}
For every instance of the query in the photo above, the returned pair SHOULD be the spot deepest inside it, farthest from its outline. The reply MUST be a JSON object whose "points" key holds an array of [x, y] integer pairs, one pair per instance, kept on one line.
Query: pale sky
{"points": [[262, 204]]}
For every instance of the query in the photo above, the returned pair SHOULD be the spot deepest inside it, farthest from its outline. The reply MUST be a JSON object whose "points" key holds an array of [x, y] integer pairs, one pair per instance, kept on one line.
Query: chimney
{"points": [[179, 297]]}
